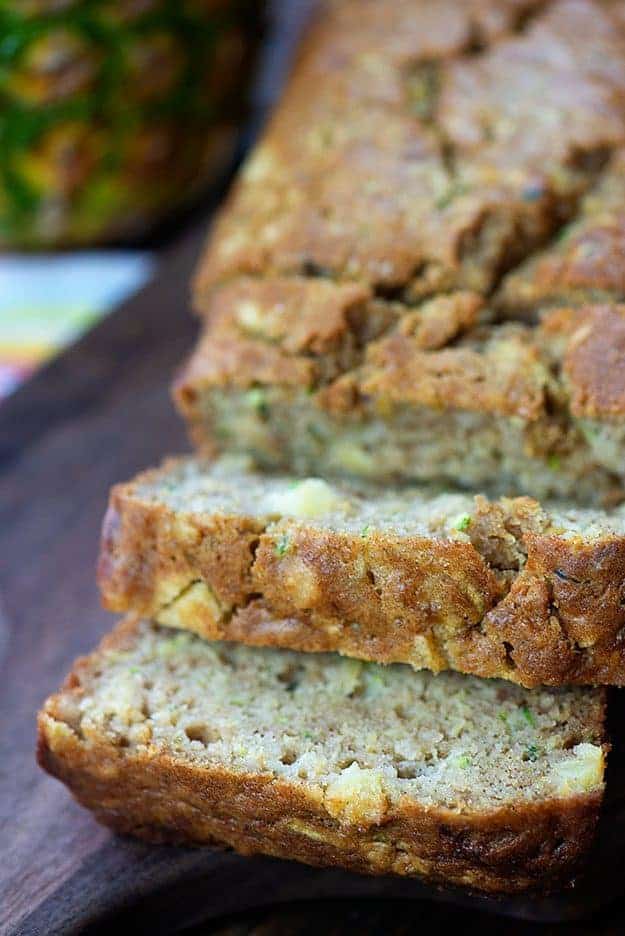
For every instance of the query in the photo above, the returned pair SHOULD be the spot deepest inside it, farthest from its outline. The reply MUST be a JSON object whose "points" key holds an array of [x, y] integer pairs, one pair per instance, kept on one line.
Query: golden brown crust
{"points": [[162, 798], [430, 157], [585, 264], [499, 369], [387, 362], [505, 369], [562, 620], [543, 608], [504, 376], [593, 363], [523, 393], [433, 172]]}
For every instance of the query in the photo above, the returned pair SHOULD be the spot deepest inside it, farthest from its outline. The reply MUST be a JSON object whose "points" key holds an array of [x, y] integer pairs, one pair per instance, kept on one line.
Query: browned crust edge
{"points": [[159, 798], [432, 603], [327, 227]]}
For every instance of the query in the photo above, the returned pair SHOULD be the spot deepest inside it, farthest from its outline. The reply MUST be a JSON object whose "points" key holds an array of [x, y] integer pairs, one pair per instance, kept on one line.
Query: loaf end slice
{"points": [[504, 588], [330, 761]]}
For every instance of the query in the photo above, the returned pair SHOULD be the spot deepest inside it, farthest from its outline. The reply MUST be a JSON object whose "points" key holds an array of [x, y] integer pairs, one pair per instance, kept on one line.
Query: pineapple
{"points": [[113, 112]]}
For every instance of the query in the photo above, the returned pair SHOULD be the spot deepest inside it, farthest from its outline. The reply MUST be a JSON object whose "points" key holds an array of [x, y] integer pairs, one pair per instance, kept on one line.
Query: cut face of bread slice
{"points": [[329, 761], [505, 588]]}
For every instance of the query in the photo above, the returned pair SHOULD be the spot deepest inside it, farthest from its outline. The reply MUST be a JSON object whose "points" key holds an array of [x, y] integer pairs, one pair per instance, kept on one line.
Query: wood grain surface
{"points": [[94, 416], [401, 918]]}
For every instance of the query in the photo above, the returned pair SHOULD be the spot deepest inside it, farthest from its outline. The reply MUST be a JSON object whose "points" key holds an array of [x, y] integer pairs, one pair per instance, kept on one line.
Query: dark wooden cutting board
{"points": [[94, 416]]}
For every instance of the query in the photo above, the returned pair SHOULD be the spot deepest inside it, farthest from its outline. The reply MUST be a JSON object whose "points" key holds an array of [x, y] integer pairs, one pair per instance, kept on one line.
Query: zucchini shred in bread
{"points": [[330, 761], [421, 265], [504, 588]]}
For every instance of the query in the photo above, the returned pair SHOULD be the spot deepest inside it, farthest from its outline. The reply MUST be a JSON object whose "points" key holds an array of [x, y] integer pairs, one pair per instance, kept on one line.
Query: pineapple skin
{"points": [[114, 113]]}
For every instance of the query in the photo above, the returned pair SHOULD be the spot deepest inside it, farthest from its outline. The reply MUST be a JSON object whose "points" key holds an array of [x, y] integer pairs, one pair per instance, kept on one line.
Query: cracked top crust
{"points": [[585, 263], [593, 341], [433, 157], [420, 272], [340, 344]]}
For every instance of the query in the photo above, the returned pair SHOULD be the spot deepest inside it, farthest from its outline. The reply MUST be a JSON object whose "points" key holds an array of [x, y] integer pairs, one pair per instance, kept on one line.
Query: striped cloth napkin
{"points": [[47, 301]]}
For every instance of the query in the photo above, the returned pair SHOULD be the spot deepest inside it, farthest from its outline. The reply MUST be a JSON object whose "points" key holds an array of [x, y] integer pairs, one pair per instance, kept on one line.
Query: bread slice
{"points": [[330, 761], [411, 187], [324, 378], [505, 588]]}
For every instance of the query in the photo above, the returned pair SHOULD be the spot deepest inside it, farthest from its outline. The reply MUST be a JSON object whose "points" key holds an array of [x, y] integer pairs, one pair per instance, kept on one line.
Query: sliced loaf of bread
{"points": [[330, 761], [505, 588], [413, 188]]}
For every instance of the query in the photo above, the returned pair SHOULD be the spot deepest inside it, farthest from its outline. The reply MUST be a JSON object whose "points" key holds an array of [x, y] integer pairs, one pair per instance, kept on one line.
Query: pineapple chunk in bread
{"points": [[504, 588], [330, 761]]}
